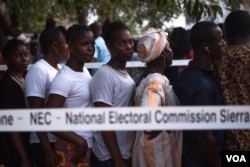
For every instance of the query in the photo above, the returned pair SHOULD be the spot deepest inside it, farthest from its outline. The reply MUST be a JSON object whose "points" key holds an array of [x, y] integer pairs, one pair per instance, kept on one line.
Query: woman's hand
{"points": [[81, 152]]}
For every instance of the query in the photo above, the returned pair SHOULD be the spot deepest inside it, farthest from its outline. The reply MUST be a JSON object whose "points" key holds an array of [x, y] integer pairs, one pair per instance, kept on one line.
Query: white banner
{"points": [[130, 64], [129, 118]]}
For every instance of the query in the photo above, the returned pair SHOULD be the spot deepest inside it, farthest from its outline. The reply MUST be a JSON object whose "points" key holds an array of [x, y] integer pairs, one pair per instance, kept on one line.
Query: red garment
{"points": [[65, 151]]}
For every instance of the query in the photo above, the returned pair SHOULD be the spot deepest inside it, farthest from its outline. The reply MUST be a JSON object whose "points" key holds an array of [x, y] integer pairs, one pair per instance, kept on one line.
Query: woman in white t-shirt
{"points": [[70, 88], [112, 86]]}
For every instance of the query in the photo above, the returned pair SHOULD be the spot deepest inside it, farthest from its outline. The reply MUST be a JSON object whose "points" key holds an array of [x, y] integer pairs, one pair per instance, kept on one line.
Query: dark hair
{"points": [[105, 24], [76, 31], [180, 43], [237, 24], [95, 25], [222, 27], [96, 29], [47, 37], [62, 29], [10, 46], [201, 33], [50, 22], [112, 28]]}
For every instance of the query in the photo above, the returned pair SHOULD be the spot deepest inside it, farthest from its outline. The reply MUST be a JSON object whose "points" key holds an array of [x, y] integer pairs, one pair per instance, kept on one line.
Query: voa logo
{"points": [[236, 158]]}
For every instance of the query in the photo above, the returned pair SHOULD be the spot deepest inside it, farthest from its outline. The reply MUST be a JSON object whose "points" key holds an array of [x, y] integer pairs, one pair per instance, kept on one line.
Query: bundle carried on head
{"points": [[151, 44]]}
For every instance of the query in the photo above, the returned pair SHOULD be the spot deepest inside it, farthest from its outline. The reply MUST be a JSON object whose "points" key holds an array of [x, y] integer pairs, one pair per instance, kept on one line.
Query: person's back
{"points": [[234, 73], [200, 88], [197, 86], [180, 44], [196, 80], [155, 148], [103, 54]]}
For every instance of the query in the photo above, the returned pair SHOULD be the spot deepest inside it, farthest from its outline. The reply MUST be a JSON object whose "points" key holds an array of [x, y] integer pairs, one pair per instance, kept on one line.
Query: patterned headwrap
{"points": [[150, 46]]}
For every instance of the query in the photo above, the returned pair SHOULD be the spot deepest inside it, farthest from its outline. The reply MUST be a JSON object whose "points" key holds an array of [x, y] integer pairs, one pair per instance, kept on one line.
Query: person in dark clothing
{"points": [[181, 47], [14, 146], [198, 86]]}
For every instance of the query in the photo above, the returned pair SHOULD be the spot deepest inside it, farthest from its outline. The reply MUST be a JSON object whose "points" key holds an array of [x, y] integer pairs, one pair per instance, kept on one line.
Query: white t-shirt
{"points": [[37, 83], [74, 86], [117, 90]]}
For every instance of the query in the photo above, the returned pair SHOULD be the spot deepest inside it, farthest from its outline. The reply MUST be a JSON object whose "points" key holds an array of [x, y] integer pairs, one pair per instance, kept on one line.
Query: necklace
{"points": [[120, 71], [123, 72], [19, 80]]}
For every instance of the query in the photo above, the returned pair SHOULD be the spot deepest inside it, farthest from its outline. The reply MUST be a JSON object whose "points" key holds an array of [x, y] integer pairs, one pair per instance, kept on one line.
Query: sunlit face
{"points": [[83, 48], [63, 50], [217, 45], [121, 46], [18, 59]]}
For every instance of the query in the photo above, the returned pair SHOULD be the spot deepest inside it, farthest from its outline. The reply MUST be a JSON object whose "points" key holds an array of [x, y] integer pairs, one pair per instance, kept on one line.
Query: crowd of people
{"points": [[218, 74]]}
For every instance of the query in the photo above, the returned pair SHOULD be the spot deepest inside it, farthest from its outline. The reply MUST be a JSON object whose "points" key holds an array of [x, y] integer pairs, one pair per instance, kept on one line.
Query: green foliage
{"points": [[33, 13], [198, 9]]}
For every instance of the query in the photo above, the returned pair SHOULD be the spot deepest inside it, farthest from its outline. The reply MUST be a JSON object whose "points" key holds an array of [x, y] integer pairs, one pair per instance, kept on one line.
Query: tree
{"points": [[31, 14]]}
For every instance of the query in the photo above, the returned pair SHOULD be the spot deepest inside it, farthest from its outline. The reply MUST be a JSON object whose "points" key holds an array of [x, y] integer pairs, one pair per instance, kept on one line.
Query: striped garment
{"points": [[152, 148]]}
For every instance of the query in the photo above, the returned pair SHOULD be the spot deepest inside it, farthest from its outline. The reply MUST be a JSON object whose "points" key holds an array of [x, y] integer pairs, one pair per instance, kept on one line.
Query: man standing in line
{"points": [[234, 73], [197, 85]]}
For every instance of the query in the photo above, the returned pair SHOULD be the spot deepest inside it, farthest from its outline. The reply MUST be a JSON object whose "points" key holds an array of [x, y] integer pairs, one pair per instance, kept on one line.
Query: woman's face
{"points": [[83, 48], [121, 46], [18, 59]]}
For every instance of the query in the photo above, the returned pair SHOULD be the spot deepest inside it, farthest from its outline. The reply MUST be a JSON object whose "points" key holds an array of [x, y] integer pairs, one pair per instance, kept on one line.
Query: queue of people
{"points": [[218, 74]]}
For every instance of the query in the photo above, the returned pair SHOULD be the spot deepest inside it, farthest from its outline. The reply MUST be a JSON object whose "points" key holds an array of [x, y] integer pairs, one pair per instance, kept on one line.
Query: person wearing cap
{"points": [[156, 148]]}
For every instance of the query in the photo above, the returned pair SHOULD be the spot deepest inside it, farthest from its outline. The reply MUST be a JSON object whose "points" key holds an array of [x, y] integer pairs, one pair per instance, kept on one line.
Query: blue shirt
{"points": [[102, 54], [196, 86], [101, 51]]}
